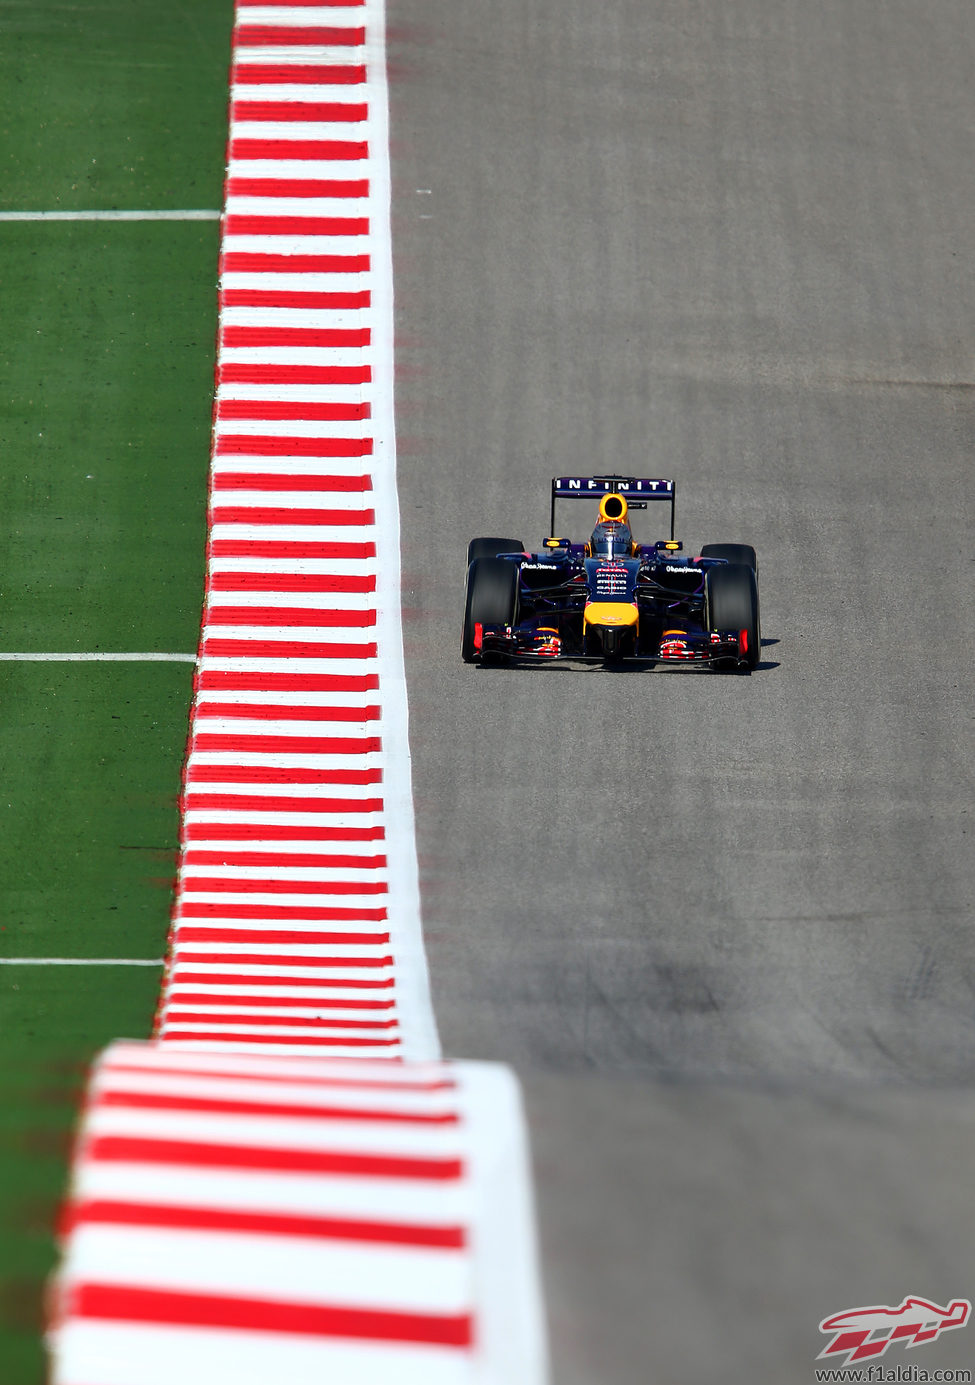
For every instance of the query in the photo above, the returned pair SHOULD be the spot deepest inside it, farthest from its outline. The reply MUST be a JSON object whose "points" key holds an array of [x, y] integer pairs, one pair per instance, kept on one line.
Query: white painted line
{"points": [[293, 244], [102, 658], [283, 14], [81, 961], [294, 317], [329, 55], [416, 1279], [415, 1007], [294, 91], [200, 215], [289, 427], [312, 282], [297, 129]]}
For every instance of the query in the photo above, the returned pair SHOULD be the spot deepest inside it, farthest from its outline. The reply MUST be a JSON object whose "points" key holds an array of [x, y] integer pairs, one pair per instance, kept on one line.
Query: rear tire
{"points": [[492, 598], [732, 553], [732, 604], [490, 548]]}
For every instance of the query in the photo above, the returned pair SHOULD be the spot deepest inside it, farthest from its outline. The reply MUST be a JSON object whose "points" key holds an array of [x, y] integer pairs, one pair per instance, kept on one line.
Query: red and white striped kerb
{"points": [[289, 1184], [253, 1219], [296, 924]]}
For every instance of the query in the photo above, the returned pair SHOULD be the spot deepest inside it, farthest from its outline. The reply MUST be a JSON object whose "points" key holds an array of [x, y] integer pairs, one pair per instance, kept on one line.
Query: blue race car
{"points": [[612, 599]]}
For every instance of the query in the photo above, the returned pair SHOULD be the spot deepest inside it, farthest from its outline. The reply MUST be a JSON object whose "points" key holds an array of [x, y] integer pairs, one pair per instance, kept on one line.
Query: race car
{"points": [[612, 600]]}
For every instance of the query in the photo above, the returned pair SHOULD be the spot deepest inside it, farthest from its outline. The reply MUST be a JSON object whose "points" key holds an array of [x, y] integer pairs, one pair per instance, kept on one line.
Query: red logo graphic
{"points": [[862, 1334]]}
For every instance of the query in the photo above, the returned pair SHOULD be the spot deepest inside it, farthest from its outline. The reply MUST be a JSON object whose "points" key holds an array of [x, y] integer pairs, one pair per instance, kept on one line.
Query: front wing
{"points": [[702, 649]]}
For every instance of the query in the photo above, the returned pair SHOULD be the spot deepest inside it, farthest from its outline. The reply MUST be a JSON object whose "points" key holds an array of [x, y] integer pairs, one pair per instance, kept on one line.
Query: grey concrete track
{"points": [[720, 926]]}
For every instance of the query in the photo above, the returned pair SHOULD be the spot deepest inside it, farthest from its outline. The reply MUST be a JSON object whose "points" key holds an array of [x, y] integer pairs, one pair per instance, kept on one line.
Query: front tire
{"points": [[731, 595], [732, 553], [492, 598], [490, 548]]}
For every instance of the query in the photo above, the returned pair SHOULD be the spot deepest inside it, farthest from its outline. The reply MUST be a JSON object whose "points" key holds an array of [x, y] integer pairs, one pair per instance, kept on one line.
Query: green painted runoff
{"points": [[106, 362], [90, 759], [52, 1023], [113, 105], [106, 354]]}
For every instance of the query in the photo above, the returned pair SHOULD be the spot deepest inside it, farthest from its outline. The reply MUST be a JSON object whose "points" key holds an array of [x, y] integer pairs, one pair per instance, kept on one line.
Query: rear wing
{"points": [[637, 490]]}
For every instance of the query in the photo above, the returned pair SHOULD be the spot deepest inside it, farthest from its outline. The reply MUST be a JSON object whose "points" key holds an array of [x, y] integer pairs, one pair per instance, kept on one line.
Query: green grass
{"points": [[106, 353], [106, 358], [113, 105], [52, 1023], [90, 759]]}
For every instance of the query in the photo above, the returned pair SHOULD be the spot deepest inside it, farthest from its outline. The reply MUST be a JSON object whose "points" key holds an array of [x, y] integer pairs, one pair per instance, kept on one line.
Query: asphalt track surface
{"points": [[721, 926]]}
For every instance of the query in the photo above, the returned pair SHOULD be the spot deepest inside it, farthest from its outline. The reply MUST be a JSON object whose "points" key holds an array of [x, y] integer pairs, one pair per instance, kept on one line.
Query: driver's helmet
{"points": [[611, 539]]}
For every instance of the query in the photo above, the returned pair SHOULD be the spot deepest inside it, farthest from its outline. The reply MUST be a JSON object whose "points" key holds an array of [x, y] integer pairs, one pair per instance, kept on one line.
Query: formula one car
{"points": [[612, 599]]}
